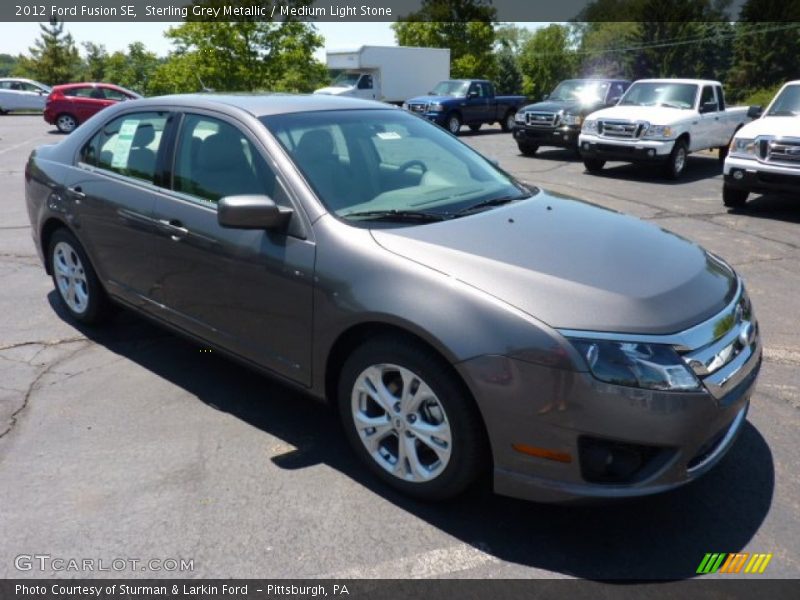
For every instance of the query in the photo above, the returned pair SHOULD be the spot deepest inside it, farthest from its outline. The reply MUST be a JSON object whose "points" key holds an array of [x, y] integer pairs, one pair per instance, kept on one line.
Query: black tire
{"points": [[475, 127], [66, 123], [734, 198], [528, 149], [507, 124], [676, 163], [723, 154], [96, 308], [594, 165], [453, 123], [468, 448]]}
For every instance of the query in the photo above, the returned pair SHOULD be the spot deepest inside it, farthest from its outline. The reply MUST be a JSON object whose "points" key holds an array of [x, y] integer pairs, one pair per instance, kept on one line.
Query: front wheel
{"points": [[732, 197], [507, 124], [594, 165], [453, 123], [528, 149], [410, 420], [75, 280], [676, 163]]}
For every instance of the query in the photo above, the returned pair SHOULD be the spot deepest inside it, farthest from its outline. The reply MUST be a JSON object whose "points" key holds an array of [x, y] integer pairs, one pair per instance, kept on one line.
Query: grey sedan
{"points": [[462, 322]]}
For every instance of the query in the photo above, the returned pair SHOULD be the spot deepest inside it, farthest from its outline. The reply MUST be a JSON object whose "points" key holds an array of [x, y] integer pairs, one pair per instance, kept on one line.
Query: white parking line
{"points": [[441, 561], [15, 146]]}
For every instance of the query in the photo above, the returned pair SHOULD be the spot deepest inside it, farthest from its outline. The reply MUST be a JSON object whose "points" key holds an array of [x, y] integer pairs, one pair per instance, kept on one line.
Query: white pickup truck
{"points": [[661, 121], [765, 154]]}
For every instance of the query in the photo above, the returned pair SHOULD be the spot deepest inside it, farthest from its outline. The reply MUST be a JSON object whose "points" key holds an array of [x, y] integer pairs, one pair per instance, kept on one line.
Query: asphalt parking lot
{"points": [[131, 443]]}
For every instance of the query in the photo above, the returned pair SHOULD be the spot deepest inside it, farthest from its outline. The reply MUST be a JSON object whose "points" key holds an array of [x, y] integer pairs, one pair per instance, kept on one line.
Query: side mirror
{"points": [[545, 97], [707, 107], [472, 94], [755, 111], [251, 212]]}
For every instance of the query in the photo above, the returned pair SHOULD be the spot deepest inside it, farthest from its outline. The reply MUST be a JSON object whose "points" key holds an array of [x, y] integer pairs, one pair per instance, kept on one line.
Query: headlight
{"points": [[649, 366], [435, 107], [573, 119], [590, 126], [658, 131], [520, 117], [745, 147]]}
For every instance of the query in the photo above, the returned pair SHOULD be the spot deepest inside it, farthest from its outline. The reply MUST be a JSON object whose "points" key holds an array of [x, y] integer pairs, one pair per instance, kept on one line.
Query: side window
{"points": [[365, 83], [488, 91], [707, 96], [474, 90], [128, 145], [720, 98], [113, 94], [214, 159], [5, 85], [83, 92]]}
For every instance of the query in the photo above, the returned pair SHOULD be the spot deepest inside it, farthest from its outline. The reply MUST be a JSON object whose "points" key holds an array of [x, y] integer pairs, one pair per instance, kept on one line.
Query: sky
{"points": [[16, 38]]}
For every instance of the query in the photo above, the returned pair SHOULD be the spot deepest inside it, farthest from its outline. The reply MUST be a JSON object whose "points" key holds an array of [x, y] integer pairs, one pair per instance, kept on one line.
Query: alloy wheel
{"points": [[70, 277]]}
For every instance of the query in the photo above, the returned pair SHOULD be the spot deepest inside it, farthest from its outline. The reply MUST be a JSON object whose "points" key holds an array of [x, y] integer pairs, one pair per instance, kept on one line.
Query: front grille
{"points": [[621, 129], [784, 150], [541, 119]]}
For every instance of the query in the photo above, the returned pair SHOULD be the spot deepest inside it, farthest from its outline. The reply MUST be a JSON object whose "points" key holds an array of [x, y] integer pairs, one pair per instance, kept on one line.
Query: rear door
{"points": [[116, 182], [249, 291]]}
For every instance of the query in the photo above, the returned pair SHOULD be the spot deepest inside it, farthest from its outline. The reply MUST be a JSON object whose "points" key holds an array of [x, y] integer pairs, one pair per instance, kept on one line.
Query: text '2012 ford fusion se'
{"points": [[461, 321]]}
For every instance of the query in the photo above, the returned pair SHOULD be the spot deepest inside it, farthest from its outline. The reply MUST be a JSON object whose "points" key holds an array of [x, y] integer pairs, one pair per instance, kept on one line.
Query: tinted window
{"points": [[83, 92], [113, 94], [127, 145], [708, 96], [365, 83], [214, 159], [720, 98]]}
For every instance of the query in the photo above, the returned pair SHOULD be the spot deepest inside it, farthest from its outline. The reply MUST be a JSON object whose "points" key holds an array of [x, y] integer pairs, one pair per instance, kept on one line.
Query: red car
{"points": [[71, 104]]}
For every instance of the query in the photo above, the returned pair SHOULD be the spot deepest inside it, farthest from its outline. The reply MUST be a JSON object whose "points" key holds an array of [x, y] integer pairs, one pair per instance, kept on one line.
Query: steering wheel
{"points": [[412, 163]]}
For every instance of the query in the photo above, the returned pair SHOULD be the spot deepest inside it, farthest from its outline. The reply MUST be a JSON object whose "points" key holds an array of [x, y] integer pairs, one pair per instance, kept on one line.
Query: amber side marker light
{"points": [[543, 453]]}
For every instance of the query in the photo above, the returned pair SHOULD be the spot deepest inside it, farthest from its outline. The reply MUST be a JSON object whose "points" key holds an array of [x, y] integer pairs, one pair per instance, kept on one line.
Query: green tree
{"points": [[766, 46], [464, 26], [509, 77], [7, 64], [95, 63], [241, 56], [133, 69], [53, 58], [547, 58]]}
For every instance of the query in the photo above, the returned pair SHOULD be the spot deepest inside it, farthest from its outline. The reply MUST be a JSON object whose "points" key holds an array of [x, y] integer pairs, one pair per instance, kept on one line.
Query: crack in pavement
{"points": [[45, 343], [13, 418]]}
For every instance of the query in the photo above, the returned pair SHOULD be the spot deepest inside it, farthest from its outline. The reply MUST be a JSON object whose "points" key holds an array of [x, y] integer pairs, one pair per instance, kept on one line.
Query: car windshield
{"points": [[787, 104], [652, 93], [457, 89], [346, 80], [365, 164], [585, 92]]}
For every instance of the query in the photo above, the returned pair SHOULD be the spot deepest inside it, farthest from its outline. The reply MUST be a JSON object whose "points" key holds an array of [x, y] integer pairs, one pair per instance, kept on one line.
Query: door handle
{"points": [[175, 228], [77, 191]]}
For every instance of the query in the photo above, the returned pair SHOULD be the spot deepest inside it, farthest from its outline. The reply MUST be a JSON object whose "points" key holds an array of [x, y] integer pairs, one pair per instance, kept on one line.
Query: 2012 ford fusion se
{"points": [[462, 322]]}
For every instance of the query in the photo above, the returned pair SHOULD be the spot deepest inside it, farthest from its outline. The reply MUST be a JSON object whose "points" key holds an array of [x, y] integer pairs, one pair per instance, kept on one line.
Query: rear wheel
{"points": [[734, 198], [75, 280], [66, 123], [528, 149], [594, 165], [410, 420], [676, 163], [723, 154], [453, 123], [507, 124]]}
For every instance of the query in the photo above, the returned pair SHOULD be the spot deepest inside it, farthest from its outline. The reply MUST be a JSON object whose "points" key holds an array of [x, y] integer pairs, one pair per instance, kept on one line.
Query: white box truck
{"points": [[387, 73]]}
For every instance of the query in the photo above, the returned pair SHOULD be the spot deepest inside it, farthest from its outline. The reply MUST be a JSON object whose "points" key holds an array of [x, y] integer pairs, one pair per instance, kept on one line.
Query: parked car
{"points": [[661, 121], [386, 73], [765, 154], [22, 94], [71, 104], [557, 120], [471, 102], [459, 320]]}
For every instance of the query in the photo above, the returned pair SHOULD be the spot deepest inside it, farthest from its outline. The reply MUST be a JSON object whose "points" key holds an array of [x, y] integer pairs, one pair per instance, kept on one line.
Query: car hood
{"points": [[574, 265], [778, 126], [572, 107], [660, 115], [334, 91]]}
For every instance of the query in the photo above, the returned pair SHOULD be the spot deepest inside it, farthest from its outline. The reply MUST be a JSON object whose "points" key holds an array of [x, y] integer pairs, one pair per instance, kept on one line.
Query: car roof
{"points": [[260, 105]]}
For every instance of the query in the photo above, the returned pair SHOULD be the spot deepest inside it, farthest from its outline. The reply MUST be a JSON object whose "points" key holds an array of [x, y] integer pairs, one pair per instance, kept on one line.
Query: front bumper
{"points": [[562, 137], [682, 435], [758, 177], [638, 150]]}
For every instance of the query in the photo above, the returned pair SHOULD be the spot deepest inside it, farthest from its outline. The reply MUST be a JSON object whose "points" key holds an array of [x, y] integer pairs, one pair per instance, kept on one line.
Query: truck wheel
{"points": [[453, 123], [410, 420], [733, 198], [475, 127], [723, 154], [507, 124], [677, 160], [594, 165], [528, 149]]}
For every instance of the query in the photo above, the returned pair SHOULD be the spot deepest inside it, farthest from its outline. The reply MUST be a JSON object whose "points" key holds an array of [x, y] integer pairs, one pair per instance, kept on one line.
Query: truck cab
{"points": [[764, 155], [356, 84]]}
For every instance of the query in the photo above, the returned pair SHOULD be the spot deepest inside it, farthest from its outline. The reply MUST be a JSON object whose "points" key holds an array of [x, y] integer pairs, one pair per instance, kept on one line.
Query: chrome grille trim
{"points": [[778, 150], [541, 119], [627, 130]]}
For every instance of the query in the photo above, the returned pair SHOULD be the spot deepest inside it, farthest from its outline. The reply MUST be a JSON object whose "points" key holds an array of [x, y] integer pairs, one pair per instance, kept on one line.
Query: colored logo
{"points": [[735, 562]]}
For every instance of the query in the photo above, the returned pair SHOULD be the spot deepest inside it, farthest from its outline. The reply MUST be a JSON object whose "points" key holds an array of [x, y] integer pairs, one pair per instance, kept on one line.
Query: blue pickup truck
{"points": [[470, 102]]}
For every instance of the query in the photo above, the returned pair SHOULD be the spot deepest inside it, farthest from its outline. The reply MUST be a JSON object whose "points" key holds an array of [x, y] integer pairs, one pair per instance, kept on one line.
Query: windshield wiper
{"points": [[397, 215], [490, 203]]}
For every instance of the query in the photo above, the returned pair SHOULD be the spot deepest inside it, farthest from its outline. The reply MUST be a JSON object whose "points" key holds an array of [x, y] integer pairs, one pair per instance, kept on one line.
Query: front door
{"points": [[249, 291]]}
